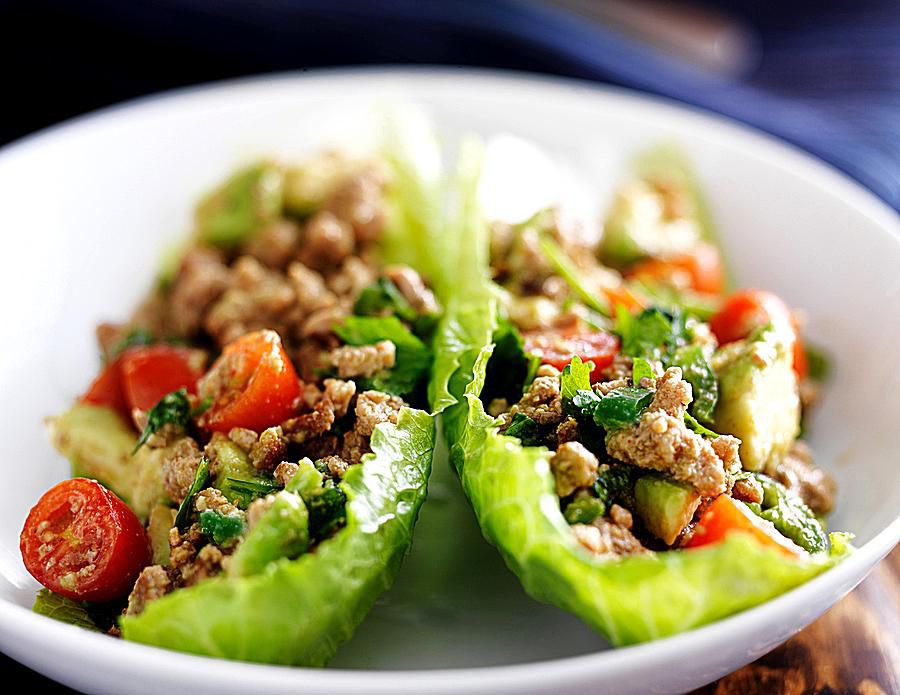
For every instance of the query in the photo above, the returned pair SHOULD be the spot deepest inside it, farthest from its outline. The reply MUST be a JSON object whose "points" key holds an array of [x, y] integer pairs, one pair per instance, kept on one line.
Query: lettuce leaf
{"points": [[511, 489], [327, 592]]}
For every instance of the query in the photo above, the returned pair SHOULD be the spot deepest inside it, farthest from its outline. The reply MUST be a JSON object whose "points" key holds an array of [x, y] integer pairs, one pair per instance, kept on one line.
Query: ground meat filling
{"points": [[661, 441], [798, 473], [573, 467], [605, 537]]}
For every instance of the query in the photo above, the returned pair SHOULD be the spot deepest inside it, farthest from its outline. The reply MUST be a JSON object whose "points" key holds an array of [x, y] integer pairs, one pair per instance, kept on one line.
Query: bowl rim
{"points": [[17, 620]]}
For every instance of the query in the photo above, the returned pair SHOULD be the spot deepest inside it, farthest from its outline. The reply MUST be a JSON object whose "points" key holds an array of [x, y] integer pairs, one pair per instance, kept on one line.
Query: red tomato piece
{"points": [[726, 515], [558, 349], [149, 373], [106, 389], [255, 384], [746, 310], [699, 269], [83, 542]]}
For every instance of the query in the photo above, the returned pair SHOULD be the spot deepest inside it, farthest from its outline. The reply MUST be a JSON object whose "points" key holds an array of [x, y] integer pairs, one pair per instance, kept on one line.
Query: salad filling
{"points": [[235, 405]]}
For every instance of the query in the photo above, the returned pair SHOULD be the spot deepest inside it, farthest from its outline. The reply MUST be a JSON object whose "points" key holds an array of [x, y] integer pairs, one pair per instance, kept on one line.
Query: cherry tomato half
{"points": [[149, 373], [107, 390], [83, 542], [746, 310], [253, 384], [699, 269], [558, 349], [726, 515]]}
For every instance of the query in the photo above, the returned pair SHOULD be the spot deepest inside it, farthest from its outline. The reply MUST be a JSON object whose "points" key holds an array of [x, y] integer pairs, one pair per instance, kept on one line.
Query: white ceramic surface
{"points": [[85, 209]]}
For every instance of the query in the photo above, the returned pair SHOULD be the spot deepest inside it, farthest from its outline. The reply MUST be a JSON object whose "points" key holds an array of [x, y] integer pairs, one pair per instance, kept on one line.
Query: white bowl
{"points": [[88, 206]]}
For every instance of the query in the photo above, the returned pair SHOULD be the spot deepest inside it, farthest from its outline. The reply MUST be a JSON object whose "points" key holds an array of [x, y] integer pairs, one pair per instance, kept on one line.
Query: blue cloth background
{"points": [[829, 78]]}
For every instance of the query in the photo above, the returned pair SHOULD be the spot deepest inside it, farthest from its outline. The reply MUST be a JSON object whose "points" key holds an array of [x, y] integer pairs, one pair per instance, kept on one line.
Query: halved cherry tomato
{"points": [[699, 269], [254, 382], [106, 389], [726, 515], [149, 373], [83, 542], [558, 349], [746, 310]]}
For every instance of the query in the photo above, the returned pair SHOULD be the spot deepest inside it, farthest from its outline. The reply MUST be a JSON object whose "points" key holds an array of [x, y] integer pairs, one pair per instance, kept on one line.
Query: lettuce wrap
{"points": [[511, 489]]}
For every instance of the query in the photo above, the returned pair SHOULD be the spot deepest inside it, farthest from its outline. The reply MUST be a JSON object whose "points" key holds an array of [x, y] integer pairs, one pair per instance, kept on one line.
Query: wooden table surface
{"points": [[854, 648]]}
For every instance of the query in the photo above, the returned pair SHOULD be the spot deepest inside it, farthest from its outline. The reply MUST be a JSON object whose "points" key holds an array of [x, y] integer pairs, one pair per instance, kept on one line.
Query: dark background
{"points": [[826, 74]]}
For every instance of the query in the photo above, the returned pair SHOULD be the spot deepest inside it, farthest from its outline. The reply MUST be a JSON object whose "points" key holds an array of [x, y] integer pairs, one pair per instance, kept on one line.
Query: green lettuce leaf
{"points": [[64, 610], [329, 591], [512, 491]]}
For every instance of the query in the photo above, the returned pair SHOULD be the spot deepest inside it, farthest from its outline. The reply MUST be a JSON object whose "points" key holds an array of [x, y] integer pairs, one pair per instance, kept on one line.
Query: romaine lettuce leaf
{"points": [[299, 611]]}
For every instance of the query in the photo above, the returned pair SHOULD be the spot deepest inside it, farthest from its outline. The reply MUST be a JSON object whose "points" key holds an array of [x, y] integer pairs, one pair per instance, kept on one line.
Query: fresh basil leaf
{"points": [[697, 371], [201, 477], [413, 356], [222, 528], [575, 377], [641, 369], [382, 297], [172, 409]]}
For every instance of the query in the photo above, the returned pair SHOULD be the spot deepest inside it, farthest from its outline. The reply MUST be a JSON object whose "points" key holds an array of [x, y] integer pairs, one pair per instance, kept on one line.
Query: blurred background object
{"points": [[824, 75]]}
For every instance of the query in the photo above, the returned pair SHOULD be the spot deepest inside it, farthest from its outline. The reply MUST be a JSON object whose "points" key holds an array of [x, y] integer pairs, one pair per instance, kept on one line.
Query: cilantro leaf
{"points": [[172, 409], [575, 377], [413, 356], [697, 371], [652, 334], [641, 369], [383, 298], [201, 477], [526, 430]]}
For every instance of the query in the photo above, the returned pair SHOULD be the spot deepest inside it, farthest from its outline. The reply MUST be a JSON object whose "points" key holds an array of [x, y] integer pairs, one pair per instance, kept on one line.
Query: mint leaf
{"points": [[63, 609], [173, 409]]}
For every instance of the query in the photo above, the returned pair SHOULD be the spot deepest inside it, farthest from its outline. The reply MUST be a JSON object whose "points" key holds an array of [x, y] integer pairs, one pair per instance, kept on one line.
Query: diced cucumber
{"points": [[665, 506]]}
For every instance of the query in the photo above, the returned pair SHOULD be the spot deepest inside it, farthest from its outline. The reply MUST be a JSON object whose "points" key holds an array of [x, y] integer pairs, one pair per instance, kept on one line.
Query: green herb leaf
{"points": [[242, 491], [615, 484], [327, 511], [791, 516], [652, 334], [692, 422], [173, 409], [63, 609], [697, 371], [383, 298], [568, 271], [222, 528], [575, 377], [641, 369], [819, 363], [413, 356], [135, 337], [619, 408], [201, 477], [526, 430]]}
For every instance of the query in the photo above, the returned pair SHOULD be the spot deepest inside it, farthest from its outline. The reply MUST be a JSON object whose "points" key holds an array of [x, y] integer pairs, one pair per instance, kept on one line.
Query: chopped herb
{"points": [[641, 370], [201, 477], [172, 409], [615, 484], [242, 491], [135, 337], [564, 266], [413, 356], [697, 371], [525, 429], [619, 408], [575, 377], [652, 334], [383, 298], [692, 423], [222, 528], [791, 516], [202, 407], [327, 511]]}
